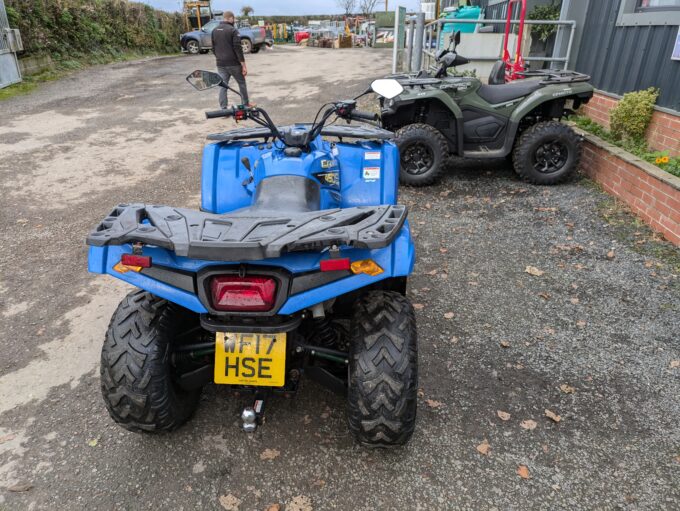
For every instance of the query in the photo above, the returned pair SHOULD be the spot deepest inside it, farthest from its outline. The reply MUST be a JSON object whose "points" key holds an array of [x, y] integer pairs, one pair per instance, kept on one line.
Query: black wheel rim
{"points": [[417, 158], [550, 157]]}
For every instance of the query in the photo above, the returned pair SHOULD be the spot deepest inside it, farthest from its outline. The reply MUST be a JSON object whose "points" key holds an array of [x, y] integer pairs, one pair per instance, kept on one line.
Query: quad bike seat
{"points": [[289, 194], [495, 94]]}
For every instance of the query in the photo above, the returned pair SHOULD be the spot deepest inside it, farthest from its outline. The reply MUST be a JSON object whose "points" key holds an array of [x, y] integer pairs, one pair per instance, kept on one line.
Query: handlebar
{"points": [[343, 109], [227, 112], [363, 116]]}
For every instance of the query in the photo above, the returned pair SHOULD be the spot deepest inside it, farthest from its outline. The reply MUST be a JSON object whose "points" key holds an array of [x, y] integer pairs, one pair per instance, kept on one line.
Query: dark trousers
{"points": [[226, 72]]}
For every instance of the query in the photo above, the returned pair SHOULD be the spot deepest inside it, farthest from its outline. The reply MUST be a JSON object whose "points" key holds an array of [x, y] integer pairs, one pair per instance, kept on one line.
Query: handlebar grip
{"points": [[363, 116], [227, 112]]}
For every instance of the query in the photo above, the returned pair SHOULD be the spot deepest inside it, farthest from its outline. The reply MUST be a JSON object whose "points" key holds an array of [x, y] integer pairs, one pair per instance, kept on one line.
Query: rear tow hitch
{"points": [[253, 415]]}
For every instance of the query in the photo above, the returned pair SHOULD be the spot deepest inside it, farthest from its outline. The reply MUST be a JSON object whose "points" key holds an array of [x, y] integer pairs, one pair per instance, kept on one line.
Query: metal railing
{"points": [[428, 46]]}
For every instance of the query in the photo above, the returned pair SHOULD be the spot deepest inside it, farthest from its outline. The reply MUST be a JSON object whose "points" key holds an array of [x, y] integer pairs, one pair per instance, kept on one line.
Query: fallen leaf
{"points": [[229, 502], [93, 442], [20, 487], [273, 507], [484, 447], [299, 503], [532, 270], [544, 295], [649, 264], [431, 272], [505, 344], [528, 424], [504, 416], [552, 415], [448, 315], [421, 393], [7, 438], [307, 419], [523, 472], [445, 193], [428, 206], [418, 306], [581, 324], [567, 389], [320, 482], [574, 300], [611, 255], [270, 454], [432, 403], [443, 250]]}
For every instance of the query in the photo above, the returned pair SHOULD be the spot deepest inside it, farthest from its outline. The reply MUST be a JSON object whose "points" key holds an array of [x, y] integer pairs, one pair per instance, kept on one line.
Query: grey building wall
{"points": [[621, 59]]}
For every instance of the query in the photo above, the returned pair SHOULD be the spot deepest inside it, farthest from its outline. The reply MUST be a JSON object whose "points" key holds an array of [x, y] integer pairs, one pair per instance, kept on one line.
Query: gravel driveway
{"points": [[530, 301]]}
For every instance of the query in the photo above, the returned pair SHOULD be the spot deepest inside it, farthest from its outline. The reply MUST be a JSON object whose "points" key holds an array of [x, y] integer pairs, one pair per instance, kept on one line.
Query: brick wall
{"points": [[652, 194], [663, 133]]}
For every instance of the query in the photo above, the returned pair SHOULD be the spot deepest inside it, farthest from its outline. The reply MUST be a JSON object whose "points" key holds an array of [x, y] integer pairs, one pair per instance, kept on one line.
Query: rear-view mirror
{"points": [[387, 88], [202, 80]]}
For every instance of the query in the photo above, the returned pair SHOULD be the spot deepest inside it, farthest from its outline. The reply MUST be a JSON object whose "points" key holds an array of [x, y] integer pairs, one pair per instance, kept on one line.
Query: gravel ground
{"points": [[592, 337]]}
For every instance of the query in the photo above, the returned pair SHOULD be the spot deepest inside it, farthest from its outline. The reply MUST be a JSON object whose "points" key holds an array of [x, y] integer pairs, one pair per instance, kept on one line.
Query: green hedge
{"points": [[68, 29]]}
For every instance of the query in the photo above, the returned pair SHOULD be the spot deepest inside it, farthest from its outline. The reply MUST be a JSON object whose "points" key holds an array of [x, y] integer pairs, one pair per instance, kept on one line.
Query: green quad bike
{"points": [[441, 116]]}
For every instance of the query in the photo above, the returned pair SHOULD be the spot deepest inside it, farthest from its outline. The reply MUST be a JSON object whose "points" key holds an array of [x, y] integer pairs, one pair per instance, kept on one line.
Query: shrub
{"points": [[544, 12], [73, 29], [630, 118]]}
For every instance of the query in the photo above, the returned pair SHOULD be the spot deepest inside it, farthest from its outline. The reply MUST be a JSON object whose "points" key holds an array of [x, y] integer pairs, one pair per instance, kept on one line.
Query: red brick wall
{"points": [[654, 200], [663, 133]]}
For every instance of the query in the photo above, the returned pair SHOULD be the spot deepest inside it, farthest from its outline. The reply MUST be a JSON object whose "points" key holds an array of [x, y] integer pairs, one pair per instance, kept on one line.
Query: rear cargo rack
{"points": [[553, 76], [248, 235]]}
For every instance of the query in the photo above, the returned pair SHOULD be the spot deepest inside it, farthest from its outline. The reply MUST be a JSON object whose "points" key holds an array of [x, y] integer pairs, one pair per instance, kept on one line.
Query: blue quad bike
{"points": [[295, 266]]}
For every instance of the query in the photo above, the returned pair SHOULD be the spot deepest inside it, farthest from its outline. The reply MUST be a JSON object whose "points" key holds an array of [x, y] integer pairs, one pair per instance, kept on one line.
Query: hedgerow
{"points": [[75, 29]]}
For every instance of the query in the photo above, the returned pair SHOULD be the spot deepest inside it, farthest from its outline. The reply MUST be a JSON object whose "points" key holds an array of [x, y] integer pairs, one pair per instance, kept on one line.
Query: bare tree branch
{"points": [[347, 5], [367, 7]]}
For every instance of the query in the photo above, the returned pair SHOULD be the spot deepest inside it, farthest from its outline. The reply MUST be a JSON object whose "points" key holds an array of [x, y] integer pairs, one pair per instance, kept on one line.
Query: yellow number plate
{"points": [[250, 359]]}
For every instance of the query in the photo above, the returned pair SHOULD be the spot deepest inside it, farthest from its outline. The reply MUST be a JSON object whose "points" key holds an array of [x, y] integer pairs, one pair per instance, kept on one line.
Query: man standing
{"points": [[226, 43]]}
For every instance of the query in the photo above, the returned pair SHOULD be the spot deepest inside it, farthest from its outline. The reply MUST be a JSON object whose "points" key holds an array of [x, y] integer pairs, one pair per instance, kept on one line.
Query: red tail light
{"points": [[335, 264], [243, 294], [135, 260]]}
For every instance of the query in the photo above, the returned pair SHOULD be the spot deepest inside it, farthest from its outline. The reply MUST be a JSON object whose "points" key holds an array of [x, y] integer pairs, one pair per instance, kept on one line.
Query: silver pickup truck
{"points": [[200, 41]]}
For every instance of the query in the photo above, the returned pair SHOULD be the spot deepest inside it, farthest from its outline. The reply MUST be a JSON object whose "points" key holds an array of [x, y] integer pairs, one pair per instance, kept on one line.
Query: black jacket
{"points": [[226, 43]]}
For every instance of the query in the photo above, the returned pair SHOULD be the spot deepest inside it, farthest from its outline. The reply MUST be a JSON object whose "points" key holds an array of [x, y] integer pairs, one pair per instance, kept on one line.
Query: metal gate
{"points": [[10, 43]]}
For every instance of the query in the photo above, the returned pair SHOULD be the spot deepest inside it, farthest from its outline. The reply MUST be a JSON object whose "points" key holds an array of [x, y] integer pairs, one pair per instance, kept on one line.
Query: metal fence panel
{"points": [[9, 66]]}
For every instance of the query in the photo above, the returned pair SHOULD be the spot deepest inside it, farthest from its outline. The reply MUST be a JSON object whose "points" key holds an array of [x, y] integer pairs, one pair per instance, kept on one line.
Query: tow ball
{"points": [[253, 415]]}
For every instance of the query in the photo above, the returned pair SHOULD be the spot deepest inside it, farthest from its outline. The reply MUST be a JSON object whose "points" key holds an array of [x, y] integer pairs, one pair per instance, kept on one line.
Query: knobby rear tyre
{"points": [[136, 371], [547, 132], [383, 370]]}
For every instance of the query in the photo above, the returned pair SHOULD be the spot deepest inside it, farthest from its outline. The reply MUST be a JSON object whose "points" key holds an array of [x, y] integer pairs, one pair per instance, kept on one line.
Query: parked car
{"points": [[200, 41]]}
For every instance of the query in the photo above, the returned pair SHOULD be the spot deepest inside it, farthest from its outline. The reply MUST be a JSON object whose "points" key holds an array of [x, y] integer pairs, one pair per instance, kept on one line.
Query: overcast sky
{"points": [[281, 7]]}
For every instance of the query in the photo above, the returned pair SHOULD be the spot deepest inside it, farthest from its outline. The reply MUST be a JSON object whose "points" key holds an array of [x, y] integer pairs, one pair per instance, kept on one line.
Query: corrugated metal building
{"points": [[628, 45]]}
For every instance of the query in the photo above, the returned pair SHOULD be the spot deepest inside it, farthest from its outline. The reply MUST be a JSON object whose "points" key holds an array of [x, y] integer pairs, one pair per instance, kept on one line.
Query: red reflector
{"points": [[335, 264], [243, 294], [135, 260]]}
